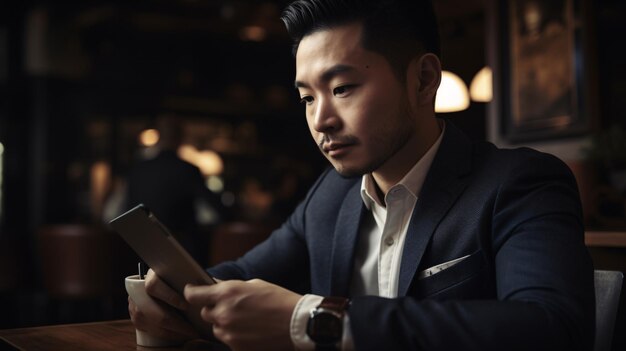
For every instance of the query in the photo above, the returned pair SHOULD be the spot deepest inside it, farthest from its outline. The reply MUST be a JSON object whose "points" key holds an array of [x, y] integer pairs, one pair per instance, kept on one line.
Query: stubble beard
{"points": [[387, 145]]}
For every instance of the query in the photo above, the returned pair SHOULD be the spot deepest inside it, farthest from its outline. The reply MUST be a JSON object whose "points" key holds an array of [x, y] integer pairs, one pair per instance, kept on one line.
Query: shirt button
{"points": [[389, 241]]}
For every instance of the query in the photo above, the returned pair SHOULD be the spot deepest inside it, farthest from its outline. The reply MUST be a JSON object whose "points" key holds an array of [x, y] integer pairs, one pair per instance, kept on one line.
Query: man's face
{"points": [[356, 108]]}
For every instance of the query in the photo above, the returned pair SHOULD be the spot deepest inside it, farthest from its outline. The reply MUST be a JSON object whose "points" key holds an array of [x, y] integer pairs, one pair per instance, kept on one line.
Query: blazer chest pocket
{"points": [[460, 280]]}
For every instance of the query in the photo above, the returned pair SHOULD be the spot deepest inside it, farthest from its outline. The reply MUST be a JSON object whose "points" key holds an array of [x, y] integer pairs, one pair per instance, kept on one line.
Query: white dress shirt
{"points": [[378, 252]]}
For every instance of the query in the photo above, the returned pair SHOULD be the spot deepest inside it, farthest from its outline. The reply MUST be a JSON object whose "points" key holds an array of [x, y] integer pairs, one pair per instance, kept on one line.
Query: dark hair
{"points": [[397, 29]]}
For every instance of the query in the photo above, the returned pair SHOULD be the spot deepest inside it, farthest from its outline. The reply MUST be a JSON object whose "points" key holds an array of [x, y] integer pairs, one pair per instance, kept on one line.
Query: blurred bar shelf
{"points": [[605, 239]]}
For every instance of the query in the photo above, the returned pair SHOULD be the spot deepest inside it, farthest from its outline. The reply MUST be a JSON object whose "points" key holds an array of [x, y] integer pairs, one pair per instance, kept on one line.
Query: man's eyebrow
{"points": [[327, 75]]}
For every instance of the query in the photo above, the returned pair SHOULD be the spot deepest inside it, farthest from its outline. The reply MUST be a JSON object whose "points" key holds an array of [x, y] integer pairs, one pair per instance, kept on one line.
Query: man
{"points": [[173, 189], [426, 240]]}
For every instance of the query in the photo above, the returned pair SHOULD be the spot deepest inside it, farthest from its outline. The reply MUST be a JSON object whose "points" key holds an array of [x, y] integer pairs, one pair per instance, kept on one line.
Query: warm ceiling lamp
{"points": [[149, 137], [481, 88], [452, 95]]}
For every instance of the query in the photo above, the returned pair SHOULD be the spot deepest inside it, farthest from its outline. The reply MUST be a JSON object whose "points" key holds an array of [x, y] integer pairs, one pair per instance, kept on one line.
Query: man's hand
{"points": [[250, 315], [166, 323]]}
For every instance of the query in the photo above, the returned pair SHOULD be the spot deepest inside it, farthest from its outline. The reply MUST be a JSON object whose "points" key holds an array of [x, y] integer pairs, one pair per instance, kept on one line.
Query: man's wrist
{"points": [[326, 323], [299, 321]]}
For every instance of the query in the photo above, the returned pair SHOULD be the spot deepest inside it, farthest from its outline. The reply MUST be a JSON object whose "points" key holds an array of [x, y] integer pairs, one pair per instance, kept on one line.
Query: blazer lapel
{"points": [[442, 186], [344, 242]]}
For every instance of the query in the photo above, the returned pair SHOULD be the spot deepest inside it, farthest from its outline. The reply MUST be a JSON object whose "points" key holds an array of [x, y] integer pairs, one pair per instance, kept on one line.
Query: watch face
{"points": [[325, 328]]}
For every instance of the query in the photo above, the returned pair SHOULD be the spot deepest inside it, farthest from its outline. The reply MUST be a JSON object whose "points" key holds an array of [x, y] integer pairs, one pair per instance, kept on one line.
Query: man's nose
{"points": [[326, 118]]}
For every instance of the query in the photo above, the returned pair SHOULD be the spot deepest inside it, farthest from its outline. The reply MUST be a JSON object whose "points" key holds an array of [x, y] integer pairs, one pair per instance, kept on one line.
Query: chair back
{"points": [[608, 285], [75, 261], [232, 240]]}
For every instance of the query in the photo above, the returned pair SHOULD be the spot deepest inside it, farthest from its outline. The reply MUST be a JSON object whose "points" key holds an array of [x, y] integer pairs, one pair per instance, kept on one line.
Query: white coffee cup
{"points": [[136, 288]]}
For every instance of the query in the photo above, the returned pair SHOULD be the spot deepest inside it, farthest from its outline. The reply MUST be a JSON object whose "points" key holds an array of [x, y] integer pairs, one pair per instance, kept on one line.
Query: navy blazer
{"points": [[527, 283]]}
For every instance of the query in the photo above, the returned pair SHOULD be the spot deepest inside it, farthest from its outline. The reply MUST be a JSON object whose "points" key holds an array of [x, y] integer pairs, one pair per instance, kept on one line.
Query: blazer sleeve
{"points": [[282, 259], [543, 278]]}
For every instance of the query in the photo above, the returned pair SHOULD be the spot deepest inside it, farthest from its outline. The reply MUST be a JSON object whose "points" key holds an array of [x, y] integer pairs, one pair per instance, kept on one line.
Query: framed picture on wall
{"points": [[542, 60]]}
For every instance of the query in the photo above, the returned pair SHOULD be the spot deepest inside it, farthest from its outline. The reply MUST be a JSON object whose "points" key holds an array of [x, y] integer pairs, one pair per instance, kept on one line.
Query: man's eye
{"points": [[342, 90], [306, 100]]}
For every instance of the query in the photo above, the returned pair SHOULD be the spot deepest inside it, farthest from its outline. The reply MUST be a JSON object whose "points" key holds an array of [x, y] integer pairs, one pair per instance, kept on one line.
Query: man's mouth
{"points": [[336, 149], [332, 146], [338, 146]]}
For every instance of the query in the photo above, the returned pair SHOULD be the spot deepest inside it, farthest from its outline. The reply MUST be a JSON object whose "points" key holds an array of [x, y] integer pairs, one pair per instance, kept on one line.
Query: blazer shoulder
{"points": [[522, 159], [331, 184], [329, 190]]}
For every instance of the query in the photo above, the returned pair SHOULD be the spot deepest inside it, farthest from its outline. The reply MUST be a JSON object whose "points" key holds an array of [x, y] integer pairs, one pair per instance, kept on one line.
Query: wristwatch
{"points": [[325, 325]]}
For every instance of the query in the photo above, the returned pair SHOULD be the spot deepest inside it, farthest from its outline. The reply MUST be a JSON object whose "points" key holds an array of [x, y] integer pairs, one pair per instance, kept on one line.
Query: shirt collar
{"points": [[412, 181]]}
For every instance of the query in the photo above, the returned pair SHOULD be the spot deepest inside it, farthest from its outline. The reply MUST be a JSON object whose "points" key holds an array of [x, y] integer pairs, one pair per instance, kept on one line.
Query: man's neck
{"points": [[394, 169]]}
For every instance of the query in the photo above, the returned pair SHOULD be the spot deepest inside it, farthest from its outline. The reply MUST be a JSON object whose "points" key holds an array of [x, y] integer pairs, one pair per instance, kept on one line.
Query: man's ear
{"points": [[426, 76]]}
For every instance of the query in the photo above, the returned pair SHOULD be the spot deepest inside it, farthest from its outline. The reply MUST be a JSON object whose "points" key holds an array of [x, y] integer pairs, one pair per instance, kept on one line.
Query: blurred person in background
{"points": [[174, 190]]}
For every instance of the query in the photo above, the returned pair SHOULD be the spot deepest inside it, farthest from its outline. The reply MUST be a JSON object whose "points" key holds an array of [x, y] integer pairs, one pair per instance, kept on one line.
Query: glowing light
{"points": [[452, 95], [215, 184], [100, 182], [149, 137], [209, 162], [187, 153], [253, 33], [481, 87]]}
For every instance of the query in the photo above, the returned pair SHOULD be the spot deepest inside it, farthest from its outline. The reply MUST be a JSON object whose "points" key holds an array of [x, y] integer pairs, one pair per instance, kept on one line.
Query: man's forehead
{"points": [[329, 47]]}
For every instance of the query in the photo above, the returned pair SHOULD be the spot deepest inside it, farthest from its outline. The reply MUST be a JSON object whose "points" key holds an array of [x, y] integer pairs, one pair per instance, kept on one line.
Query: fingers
{"points": [[159, 289], [201, 294], [132, 311], [206, 313], [209, 296], [163, 323], [160, 319], [246, 315]]}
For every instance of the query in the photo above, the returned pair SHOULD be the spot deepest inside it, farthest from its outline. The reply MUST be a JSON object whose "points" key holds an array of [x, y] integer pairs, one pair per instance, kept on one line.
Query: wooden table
{"points": [[97, 336]]}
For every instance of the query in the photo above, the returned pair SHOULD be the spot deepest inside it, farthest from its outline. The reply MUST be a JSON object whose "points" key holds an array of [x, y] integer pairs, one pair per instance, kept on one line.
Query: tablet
{"points": [[158, 248]]}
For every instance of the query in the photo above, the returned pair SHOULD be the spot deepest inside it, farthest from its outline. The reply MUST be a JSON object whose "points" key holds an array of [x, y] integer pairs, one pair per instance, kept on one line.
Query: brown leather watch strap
{"points": [[334, 303], [335, 306]]}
